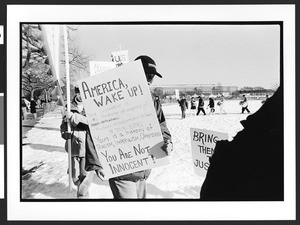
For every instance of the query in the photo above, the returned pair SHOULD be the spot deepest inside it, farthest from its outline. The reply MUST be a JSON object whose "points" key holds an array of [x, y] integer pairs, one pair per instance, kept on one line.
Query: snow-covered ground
{"points": [[42, 143]]}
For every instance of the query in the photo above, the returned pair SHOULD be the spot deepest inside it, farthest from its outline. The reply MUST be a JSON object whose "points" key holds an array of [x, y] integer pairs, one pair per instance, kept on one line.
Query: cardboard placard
{"points": [[122, 120], [203, 143], [97, 67], [120, 57]]}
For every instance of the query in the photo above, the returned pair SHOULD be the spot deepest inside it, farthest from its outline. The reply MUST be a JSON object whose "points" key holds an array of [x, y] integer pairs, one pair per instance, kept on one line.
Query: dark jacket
{"points": [[251, 166], [200, 103], [244, 102], [32, 106], [211, 103], [92, 160], [183, 104], [193, 104]]}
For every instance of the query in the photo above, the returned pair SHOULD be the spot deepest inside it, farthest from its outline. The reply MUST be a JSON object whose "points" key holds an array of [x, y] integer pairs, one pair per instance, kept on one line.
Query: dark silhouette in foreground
{"points": [[250, 167]]}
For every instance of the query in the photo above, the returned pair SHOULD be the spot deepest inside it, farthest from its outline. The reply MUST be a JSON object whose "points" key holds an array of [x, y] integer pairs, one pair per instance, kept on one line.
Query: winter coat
{"points": [[32, 106], [244, 102], [251, 166], [79, 125], [200, 103], [183, 104], [211, 103], [193, 104]]}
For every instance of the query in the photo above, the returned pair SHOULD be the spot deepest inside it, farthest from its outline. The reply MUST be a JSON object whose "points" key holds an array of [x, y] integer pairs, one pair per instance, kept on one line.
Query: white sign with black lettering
{"points": [[97, 67], [203, 143], [122, 120]]}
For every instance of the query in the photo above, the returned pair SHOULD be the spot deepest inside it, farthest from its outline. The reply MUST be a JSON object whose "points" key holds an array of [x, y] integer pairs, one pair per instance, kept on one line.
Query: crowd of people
{"points": [[211, 106]]}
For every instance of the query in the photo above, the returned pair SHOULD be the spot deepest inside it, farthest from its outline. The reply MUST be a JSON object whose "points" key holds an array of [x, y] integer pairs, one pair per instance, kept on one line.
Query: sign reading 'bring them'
{"points": [[203, 145]]}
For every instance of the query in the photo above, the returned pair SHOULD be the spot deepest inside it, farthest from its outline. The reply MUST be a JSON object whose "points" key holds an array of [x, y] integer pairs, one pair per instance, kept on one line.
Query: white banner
{"points": [[203, 143], [122, 120], [100, 67], [120, 57]]}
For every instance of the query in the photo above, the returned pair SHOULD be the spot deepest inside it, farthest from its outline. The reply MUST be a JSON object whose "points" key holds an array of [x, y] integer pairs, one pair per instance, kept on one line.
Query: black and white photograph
{"points": [[233, 69], [184, 110]]}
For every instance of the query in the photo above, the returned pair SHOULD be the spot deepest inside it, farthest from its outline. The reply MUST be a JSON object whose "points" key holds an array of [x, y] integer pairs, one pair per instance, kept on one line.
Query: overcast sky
{"points": [[241, 55]]}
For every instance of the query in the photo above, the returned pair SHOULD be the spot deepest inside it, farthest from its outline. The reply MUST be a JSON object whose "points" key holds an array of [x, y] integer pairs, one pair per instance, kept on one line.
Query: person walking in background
{"points": [[221, 104], [79, 126], [33, 108], [200, 106], [183, 106], [193, 106], [244, 104], [211, 105]]}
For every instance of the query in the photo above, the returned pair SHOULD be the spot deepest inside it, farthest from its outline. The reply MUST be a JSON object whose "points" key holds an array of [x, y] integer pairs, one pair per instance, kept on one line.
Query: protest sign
{"points": [[97, 67], [203, 143], [122, 120], [120, 57]]}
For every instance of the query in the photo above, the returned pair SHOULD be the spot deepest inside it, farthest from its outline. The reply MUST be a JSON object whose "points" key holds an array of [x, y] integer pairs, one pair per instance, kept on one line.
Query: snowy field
{"points": [[42, 143]]}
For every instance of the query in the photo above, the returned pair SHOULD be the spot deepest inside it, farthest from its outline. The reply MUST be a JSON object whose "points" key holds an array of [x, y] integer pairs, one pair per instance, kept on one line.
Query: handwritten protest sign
{"points": [[100, 67], [203, 145], [120, 57], [122, 120]]}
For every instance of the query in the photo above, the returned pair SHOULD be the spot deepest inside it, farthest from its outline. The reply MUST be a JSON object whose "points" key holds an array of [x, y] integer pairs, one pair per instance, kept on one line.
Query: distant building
{"points": [[205, 89]]}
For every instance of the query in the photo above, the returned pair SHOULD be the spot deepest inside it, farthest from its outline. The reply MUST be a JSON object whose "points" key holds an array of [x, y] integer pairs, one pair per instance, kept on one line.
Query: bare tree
{"points": [[78, 58], [36, 74]]}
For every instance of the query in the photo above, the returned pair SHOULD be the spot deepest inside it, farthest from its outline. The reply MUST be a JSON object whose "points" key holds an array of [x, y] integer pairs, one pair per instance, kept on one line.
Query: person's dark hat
{"points": [[149, 65]]}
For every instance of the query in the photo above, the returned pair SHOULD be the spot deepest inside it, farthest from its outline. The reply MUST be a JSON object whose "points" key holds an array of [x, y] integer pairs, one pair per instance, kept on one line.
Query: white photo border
{"points": [[156, 210]]}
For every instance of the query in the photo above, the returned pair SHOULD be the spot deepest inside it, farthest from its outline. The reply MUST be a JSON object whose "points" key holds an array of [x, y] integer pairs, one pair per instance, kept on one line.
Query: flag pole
{"points": [[68, 102]]}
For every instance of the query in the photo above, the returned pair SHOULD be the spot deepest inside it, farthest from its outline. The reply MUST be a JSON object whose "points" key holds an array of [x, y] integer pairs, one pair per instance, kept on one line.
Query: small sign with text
{"points": [[203, 146]]}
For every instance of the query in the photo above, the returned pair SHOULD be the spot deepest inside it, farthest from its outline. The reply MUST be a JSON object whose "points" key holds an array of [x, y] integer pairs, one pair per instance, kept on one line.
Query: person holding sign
{"points": [[133, 185], [79, 125]]}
